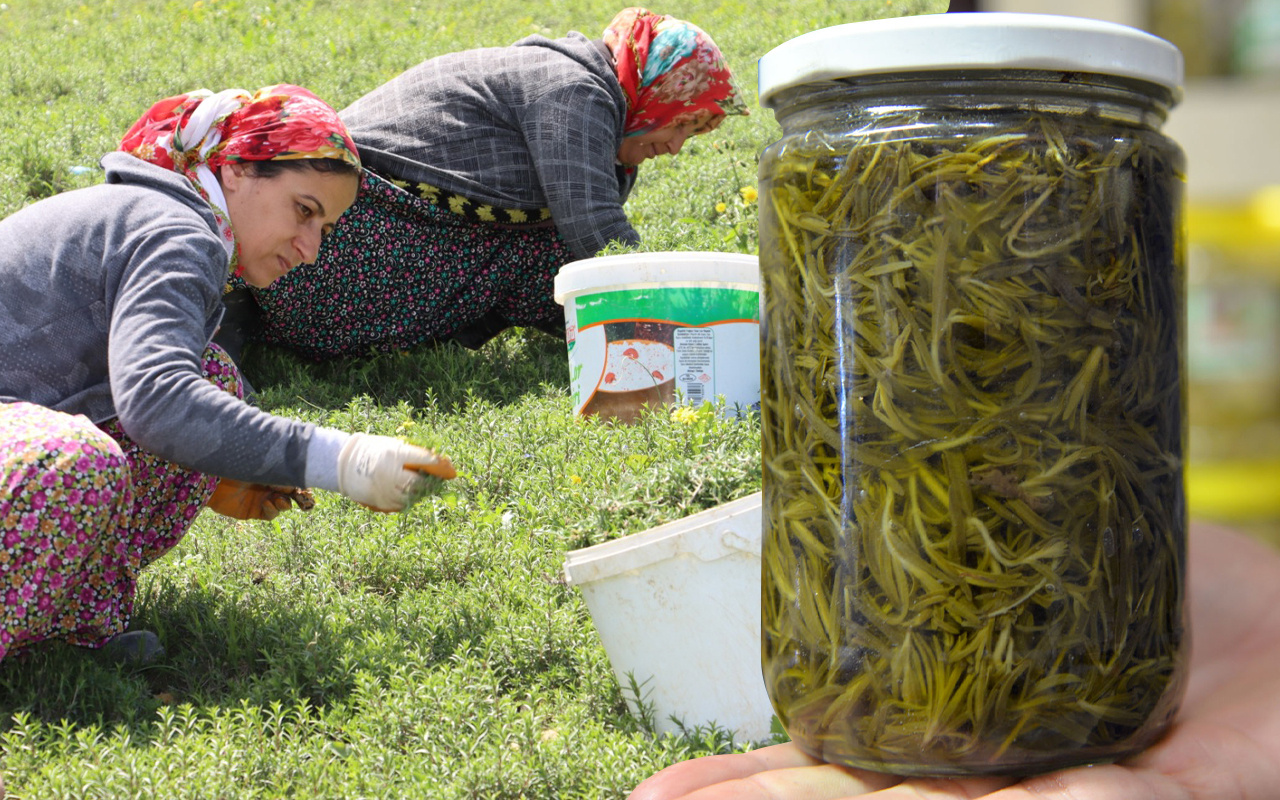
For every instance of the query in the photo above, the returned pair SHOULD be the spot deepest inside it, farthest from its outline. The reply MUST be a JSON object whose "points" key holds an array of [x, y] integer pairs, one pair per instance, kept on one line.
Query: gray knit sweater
{"points": [[536, 124], [108, 297]]}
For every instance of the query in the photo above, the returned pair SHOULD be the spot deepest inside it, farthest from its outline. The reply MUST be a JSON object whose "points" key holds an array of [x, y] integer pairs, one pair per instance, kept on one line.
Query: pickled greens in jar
{"points": [[973, 425]]}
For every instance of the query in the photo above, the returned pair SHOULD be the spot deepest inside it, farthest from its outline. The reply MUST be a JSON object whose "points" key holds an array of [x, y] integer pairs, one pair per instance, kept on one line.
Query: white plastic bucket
{"points": [[646, 328], [677, 608]]}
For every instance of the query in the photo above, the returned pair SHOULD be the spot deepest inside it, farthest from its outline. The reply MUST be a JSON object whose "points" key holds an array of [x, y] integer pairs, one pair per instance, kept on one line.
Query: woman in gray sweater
{"points": [[119, 420], [489, 169]]}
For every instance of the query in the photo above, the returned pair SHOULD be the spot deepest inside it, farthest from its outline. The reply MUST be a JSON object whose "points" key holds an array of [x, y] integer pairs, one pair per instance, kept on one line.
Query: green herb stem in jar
{"points": [[972, 411]]}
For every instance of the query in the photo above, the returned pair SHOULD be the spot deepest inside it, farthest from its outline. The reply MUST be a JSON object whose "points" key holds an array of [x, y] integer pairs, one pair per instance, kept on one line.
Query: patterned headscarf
{"points": [[670, 70], [196, 133]]}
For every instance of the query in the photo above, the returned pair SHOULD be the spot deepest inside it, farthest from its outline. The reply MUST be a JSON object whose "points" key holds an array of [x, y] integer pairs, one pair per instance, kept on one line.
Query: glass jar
{"points": [[973, 393]]}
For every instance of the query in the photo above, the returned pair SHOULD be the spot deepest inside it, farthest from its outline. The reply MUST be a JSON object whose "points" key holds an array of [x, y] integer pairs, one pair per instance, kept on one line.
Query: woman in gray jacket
{"points": [[119, 420], [488, 170]]}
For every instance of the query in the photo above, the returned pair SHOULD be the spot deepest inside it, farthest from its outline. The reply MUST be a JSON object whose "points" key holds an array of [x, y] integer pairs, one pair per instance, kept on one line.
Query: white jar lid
{"points": [[975, 40]]}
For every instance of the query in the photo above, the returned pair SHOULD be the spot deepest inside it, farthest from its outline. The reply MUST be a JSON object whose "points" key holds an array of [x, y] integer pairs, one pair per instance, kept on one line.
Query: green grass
{"points": [[344, 653]]}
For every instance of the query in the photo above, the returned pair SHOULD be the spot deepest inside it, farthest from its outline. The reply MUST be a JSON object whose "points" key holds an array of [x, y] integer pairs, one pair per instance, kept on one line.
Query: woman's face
{"points": [[279, 221], [665, 141]]}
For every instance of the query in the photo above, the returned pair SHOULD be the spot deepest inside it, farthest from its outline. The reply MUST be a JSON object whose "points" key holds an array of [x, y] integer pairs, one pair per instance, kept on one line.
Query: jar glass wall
{"points": [[973, 412]]}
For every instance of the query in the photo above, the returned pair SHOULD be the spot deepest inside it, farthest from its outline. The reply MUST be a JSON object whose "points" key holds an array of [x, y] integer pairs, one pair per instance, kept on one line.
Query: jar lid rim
{"points": [[979, 40]]}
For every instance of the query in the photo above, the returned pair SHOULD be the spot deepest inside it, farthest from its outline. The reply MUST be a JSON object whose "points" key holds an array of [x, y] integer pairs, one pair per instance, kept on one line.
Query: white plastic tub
{"points": [[643, 329], [677, 608]]}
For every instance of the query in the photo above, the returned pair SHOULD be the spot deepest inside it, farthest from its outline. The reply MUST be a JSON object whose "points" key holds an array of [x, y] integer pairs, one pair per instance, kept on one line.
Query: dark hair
{"points": [[273, 167]]}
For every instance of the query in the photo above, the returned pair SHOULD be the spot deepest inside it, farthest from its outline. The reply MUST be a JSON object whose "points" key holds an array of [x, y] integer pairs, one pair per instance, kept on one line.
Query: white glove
{"points": [[386, 474]]}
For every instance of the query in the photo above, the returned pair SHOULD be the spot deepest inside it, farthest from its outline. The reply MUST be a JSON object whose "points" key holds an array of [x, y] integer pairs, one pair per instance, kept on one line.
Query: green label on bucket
{"points": [[685, 305]]}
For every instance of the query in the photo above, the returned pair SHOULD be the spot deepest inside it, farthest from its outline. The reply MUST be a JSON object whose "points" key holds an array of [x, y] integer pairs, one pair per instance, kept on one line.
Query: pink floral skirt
{"points": [[82, 510]]}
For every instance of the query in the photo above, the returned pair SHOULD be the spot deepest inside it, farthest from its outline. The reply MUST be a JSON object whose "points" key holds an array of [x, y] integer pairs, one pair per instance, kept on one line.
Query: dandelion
{"points": [[749, 194], [575, 479], [721, 208]]}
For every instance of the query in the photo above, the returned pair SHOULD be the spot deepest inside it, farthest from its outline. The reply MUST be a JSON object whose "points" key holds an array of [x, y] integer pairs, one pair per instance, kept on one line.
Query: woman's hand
{"points": [[242, 500], [1224, 744], [386, 474]]}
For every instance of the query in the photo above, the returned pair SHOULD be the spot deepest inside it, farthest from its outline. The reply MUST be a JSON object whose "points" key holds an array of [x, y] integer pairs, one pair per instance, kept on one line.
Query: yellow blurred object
{"points": [[1249, 230], [1234, 491], [1265, 208], [1233, 358]]}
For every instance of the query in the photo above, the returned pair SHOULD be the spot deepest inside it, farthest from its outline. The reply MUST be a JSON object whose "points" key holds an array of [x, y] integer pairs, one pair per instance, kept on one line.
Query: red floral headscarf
{"points": [[670, 70], [196, 133]]}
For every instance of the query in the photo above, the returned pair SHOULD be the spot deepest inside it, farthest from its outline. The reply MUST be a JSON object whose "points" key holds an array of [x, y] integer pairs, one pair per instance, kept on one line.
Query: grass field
{"points": [[342, 653]]}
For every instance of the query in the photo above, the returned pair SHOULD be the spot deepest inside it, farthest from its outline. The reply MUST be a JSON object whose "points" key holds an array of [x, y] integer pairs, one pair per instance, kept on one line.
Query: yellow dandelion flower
{"points": [[574, 479], [749, 193], [721, 208]]}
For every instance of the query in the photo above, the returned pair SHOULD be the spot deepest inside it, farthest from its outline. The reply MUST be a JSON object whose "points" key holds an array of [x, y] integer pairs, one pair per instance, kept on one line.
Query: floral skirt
{"points": [[399, 271], [82, 510]]}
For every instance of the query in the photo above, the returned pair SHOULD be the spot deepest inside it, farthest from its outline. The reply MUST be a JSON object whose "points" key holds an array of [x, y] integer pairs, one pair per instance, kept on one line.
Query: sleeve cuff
{"points": [[322, 458]]}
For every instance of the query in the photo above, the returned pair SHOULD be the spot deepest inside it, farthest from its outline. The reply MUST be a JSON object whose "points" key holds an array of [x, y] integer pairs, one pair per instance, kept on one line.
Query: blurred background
{"points": [[1228, 124]]}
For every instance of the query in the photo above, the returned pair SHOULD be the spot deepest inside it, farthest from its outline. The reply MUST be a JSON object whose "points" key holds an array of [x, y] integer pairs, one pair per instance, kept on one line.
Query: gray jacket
{"points": [[108, 297], [537, 124]]}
